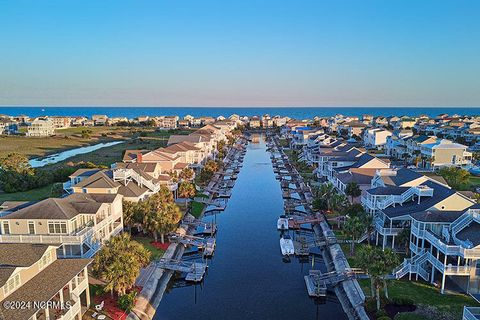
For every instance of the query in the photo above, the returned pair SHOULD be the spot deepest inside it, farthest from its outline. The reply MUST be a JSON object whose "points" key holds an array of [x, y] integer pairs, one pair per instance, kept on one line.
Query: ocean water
{"points": [[293, 112]]}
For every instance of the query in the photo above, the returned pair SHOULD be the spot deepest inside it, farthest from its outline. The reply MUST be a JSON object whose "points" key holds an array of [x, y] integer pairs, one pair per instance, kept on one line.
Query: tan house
{"points": [[49, 288], [79, 223], [41, 128]]}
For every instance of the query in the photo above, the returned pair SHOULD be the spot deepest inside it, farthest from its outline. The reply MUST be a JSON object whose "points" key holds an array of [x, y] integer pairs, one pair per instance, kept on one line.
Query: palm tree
{"points": [[378, 264], [404, 239], [353, 228], [211, 166], [353, 190], [186, 190], [187, 174], [118, 263], [161, 218]]}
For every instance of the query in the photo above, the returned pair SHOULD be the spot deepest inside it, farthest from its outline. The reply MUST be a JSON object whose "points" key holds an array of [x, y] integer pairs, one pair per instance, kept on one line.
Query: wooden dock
{"points": [[194, 270]]}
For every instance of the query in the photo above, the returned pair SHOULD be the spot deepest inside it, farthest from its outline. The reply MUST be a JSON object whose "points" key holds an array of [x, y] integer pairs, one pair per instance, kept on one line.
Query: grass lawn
{"points": [[424, 294], [474, 181], [197, 208], [31, 195], [64, 139], [156, 252]]}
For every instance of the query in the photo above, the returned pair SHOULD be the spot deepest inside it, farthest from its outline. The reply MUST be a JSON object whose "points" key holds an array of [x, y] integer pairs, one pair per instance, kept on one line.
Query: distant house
{"points": [[41, 128], [100, 119], [8, 126], [375, 138], [167, 122], [445, 153], [61, 122], [254, 122]]}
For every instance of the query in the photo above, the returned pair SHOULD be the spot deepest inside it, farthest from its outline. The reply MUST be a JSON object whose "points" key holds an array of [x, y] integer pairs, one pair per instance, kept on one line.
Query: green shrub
{"points": [[127, 301], [402, 301], [384, 318]]}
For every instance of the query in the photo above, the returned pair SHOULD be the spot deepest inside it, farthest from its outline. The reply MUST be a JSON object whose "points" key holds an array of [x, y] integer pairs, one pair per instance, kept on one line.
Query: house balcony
{"points": [[448, 269], [83, 236], [67, 186], [386, 231]]}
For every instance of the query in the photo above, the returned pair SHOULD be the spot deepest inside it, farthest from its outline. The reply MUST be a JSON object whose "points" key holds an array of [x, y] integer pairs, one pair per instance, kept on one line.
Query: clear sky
{"points": [[239, 53]]}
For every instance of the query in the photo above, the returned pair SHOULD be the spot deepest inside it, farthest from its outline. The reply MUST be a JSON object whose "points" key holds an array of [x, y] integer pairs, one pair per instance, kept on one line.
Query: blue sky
{"points": [[240, 53]]}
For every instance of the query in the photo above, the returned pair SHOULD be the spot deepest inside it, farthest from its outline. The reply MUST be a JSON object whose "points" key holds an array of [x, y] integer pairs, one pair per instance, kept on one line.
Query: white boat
{"points": [[286, 245], [282, 223]]}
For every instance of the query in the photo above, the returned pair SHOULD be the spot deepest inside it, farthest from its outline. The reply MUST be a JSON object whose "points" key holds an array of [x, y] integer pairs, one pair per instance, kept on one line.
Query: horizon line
{"points": [[245, 107]]}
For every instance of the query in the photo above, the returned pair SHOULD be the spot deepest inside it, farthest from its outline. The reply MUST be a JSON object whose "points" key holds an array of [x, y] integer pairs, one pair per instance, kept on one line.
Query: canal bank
{"points": [[247, 277]]}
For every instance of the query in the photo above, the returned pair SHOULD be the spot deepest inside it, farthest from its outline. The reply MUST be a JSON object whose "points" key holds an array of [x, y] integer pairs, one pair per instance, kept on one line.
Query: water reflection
{"points": [[248, 278]]}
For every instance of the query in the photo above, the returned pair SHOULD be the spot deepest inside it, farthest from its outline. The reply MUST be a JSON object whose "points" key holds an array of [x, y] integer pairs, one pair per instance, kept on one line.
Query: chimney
{"points": [[139, 157]]}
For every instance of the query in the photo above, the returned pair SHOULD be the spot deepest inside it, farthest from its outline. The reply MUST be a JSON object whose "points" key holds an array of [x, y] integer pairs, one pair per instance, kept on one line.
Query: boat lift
{"points": [[317, 281], [206, 244], [194, 270]]}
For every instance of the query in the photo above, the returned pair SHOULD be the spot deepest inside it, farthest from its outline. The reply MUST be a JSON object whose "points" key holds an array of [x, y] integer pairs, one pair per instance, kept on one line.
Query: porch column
{"points": [[433, 274], [393, 242], [384, 241], [443, 283], [376, 240]]}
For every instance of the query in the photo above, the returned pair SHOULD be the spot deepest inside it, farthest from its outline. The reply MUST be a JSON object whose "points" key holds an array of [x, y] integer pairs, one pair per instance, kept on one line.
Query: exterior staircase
{"points": [[413, 265]]}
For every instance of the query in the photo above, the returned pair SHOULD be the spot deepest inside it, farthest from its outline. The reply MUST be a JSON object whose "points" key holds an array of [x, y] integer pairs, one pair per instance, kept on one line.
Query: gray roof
{"points": [[439, 193], [386, 191], [437, 216], [403, 176], [470, 234]]}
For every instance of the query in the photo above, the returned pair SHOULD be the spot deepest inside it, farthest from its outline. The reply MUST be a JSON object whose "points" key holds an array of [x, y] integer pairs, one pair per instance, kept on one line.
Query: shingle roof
{"points": [[101, 179], [50, 280], [439, 193], [13, 255], [437, 215], [470, 234], [63, 208]]}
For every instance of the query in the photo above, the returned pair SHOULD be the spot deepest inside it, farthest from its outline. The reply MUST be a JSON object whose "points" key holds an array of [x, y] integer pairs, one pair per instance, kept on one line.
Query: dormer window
{"points": [[12, 284]]}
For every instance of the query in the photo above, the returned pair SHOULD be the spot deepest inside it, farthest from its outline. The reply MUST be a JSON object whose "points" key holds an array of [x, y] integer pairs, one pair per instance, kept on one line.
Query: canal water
{"points": [[247, 278], [57, 157]]}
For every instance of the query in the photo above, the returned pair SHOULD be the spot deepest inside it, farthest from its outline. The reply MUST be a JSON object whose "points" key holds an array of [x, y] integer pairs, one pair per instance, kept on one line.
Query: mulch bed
{"points": [[111, 307], [393, 309], [159, 245]]}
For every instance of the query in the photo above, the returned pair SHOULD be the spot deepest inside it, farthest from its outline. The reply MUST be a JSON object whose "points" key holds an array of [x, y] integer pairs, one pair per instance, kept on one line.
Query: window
{"points": [[6, 227], [57, 227], [31, 227], [12, 284], [45, 260]]}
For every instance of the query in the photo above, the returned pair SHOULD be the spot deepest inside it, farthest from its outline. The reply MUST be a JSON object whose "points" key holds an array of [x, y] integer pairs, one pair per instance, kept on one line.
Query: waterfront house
{"points": [[41, 127], [360, 169], [32, 274], [79, 223], [398, 193], [445, 245]]}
